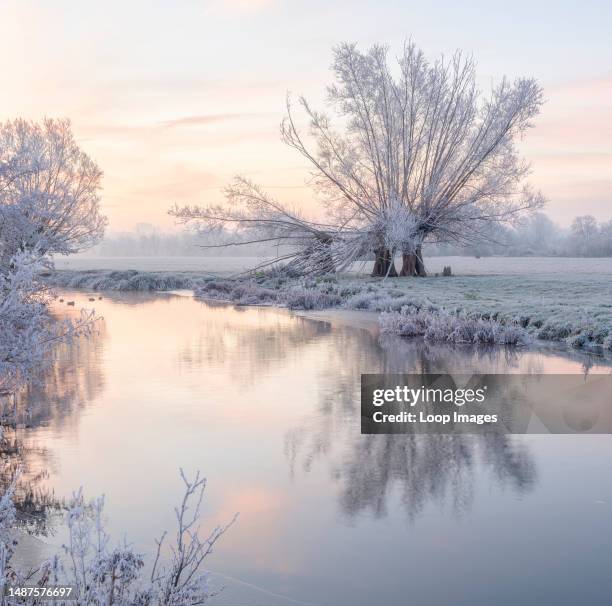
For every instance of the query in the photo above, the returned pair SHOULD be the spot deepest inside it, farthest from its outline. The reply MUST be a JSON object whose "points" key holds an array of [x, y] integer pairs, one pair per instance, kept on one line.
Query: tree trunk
{"points": [[384, 264], [412, 264], [420, 266], [408, 265]]}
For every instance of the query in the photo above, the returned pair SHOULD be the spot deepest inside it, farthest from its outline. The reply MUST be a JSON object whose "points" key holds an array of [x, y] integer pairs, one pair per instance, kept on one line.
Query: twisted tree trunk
{"points": [[384, 264], [412, 263]]}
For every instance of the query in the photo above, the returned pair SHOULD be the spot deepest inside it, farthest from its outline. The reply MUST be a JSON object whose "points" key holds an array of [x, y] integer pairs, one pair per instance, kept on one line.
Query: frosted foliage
{"points": [[104, 574], [49, 190], [48, 204], [451, 328], [27, 332]]}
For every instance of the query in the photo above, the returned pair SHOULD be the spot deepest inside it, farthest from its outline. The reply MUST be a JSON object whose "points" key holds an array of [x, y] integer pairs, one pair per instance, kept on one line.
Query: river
{"points": [[265, 403]]}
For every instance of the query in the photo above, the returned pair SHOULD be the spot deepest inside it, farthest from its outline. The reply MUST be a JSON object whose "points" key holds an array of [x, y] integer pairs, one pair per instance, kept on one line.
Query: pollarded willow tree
{"points": [[416, 152]]}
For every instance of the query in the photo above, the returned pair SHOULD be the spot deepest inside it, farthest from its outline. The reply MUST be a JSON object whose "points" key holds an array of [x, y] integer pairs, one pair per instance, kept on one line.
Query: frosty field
{"points": [[462, 266]]}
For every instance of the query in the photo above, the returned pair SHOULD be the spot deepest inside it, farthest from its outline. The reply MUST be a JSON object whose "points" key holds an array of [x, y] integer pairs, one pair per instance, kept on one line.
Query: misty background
{"points": [[537, 235]]}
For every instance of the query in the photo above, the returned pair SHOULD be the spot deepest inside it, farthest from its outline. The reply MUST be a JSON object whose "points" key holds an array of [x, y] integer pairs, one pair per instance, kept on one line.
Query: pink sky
{"points": [[172, 100]]}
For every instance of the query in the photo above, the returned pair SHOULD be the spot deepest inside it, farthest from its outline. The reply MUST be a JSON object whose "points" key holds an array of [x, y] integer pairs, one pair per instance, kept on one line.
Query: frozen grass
{"points": [[124, 280], [571, 307]]}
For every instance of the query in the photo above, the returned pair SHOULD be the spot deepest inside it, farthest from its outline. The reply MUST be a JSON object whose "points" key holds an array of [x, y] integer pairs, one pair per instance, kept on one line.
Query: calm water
{"points": [[265, 403]]}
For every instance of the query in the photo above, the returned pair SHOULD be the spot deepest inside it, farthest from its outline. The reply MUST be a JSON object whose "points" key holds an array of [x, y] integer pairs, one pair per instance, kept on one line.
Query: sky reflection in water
{"points": [[266, 404]]}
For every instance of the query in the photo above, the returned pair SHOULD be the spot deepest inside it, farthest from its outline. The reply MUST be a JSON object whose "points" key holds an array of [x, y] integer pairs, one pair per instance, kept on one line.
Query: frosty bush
{"points": [[361, 300], [513, 335], [27, 331], [381, 301], [402, 324], [579, 341], [114, 575], [127, 280], [300, 297], [247, 293], [552, 331], [444, 327]]}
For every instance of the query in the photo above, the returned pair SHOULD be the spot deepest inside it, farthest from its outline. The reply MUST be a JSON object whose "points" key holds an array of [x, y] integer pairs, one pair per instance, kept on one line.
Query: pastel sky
{"points": [[174, 97]]}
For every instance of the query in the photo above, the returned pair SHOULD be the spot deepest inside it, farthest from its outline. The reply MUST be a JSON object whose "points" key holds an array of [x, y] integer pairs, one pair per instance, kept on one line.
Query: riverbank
{"points": [[552, 306]]}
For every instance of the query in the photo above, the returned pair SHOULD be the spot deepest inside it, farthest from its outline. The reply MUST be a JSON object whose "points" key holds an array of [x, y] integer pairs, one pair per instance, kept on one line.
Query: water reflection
{"points": [[265, 403], [73, 378], [248, 342], [371, 469]]}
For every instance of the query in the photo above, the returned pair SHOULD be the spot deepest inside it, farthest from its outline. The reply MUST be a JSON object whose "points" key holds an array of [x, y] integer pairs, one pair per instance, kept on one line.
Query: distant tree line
{"points": [[538, 235], [147, 241]]}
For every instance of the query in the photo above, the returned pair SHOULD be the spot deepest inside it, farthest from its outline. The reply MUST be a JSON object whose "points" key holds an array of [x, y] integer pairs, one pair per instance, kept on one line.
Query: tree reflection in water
{"points": [[55, 400], [420, 469]]}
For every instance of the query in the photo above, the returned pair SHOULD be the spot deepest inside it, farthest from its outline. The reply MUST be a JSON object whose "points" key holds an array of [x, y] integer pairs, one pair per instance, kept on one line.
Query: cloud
{"points": [[205, 119]]}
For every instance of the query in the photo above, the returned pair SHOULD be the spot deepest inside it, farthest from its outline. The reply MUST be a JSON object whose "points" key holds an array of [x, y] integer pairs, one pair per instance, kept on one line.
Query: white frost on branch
{"points": [[102, 574], [407, 153], [49, 204], [49, 190], [27, 331]]}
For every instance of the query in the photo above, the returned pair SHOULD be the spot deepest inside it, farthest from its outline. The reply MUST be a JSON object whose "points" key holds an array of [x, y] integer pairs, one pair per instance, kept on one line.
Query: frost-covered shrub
{"points": [[120, 280], [362, 300], [386, 303], [248, 293], [513, 335], [373, 301], [464, 330], [555, 332], [402, 324], [486, 332], [579, 341], [218, 286], [348, 291], [443, 327], [439, 327], [300, 297], [115, 575], [383, 301], [28, 332]]}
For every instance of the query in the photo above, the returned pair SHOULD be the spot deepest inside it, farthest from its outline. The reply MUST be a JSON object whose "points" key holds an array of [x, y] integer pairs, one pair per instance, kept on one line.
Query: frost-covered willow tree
{"points": [[406, 153], [49, 204]]}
